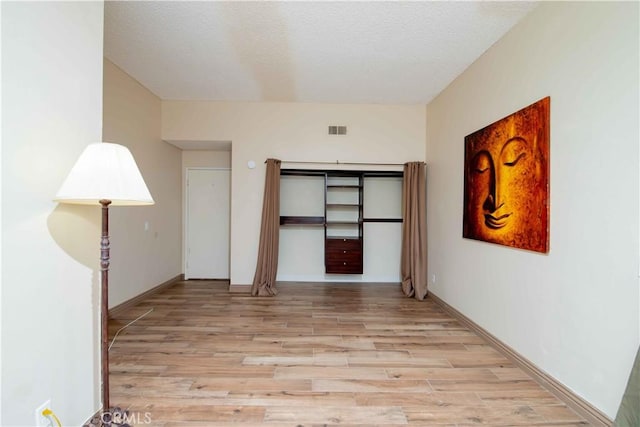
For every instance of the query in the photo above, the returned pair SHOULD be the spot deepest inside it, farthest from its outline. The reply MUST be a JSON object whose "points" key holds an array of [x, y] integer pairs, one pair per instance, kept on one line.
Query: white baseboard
{"points": [[583, 408], [115, 311]]}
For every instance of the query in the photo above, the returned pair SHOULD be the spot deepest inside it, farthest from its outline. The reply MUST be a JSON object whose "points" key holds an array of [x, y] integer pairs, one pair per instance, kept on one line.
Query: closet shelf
{"points": [[382, 220], [343, 222], [301, 220]]}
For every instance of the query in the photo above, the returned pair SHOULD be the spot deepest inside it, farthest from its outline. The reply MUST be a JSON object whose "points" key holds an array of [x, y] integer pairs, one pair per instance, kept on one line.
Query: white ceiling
{"points": [[316, 51]]}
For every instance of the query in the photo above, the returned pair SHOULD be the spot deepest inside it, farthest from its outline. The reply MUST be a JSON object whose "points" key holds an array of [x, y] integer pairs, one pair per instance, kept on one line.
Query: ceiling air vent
{"points": [[337, 130]]}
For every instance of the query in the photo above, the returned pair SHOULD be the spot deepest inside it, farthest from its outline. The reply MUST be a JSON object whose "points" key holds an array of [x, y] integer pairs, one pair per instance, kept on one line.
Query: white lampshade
{"points": [[105, 171]]}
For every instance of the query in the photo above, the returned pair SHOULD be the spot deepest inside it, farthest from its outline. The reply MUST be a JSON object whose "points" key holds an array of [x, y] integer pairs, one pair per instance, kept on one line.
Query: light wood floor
{"points": [[317, 354]]}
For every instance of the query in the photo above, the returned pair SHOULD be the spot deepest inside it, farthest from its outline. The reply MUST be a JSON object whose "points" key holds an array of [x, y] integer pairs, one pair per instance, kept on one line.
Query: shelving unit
{"points": [[343, 217], [343, 230]]}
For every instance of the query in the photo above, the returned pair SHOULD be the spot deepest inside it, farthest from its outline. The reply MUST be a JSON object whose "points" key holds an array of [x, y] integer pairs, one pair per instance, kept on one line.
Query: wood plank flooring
{"points": [[316, 354]]}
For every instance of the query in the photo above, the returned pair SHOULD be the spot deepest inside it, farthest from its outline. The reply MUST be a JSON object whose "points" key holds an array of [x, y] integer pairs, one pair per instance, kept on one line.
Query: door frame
{"points": [[185, 213]]}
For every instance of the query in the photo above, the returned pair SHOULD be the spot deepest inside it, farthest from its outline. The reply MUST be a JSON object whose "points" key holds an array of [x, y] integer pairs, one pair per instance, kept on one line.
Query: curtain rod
{"points": [[338, 162]]}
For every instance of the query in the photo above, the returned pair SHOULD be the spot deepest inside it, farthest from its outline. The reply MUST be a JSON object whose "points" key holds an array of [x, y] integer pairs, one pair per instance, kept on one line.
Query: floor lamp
{"points": [[105, 174]]}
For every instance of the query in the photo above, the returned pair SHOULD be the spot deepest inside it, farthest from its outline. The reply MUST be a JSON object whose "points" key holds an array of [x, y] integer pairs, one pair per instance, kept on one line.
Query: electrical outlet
{"points": [[41, 420], [433, 279]]}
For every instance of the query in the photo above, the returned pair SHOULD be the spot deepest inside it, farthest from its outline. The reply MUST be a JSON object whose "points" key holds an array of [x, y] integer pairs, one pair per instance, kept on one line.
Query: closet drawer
{"points": [[343, 267], [343, 256], [343, 244]]}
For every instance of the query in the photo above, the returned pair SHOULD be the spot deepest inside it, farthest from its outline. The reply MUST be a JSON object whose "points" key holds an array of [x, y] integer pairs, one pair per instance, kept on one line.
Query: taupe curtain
{"points": [[264, 281], [414, 231], [629, 411]]}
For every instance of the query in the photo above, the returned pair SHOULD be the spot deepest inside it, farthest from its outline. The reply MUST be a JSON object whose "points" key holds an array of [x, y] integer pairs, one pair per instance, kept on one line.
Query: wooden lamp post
{"points": [[105, 174]]}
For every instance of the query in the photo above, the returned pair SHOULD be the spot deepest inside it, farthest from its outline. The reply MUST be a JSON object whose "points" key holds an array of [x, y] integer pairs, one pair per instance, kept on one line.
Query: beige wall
{"points": [[205, 159], [573, 312], [51, 110], [142, 258], [377, 133]]}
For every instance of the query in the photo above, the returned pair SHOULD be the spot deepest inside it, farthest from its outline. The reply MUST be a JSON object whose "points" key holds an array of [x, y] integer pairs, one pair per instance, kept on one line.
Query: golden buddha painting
{"points": [[506, 180]]}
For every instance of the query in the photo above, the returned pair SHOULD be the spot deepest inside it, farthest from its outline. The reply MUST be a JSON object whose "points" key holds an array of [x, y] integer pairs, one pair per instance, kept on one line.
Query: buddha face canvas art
{"points": [[506, 180]]}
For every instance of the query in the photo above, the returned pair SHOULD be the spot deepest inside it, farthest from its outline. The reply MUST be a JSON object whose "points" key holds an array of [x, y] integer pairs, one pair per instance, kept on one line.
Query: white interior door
{"points": [[207, 225]]}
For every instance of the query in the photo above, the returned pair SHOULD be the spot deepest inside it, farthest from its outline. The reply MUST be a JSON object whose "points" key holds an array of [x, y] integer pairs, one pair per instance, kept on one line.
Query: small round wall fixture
{"points": [[251, 164]]}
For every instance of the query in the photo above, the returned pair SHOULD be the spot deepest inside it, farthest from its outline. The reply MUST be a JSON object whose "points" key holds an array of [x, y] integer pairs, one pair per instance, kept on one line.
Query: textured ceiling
{"points": [[338, 52]]}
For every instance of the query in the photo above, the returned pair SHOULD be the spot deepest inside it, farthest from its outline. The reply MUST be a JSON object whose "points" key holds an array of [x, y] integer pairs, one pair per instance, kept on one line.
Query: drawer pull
{"points": [[344, 252], [344, 263]]}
